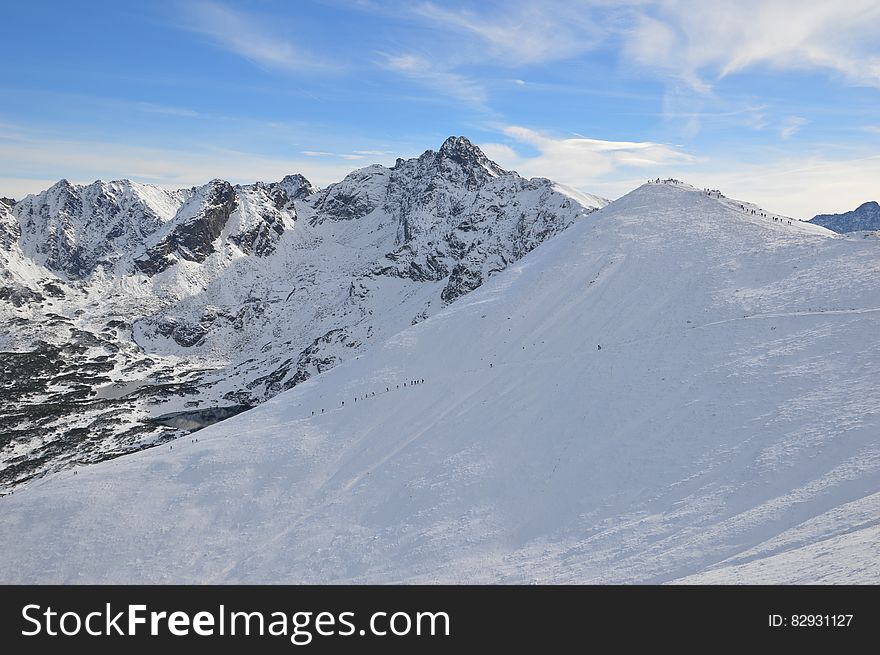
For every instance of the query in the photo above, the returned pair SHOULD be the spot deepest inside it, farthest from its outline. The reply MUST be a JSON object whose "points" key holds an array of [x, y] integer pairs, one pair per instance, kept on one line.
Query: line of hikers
{"points": [[715, 193], [755, 212], [372, 394]]}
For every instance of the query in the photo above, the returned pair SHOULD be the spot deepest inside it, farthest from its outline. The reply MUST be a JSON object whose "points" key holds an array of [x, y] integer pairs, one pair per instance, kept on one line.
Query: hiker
{"points": [[322, 410], [598, 347]]}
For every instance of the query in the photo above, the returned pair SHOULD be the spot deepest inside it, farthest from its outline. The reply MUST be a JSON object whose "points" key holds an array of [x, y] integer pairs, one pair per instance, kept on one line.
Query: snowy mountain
{"points": [[677, 389], [865, 218], [132, 314], [71, 230]]}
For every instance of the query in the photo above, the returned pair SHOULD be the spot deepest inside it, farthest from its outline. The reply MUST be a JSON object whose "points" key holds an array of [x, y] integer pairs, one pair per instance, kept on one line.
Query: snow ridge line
{"points": [[817, 312]]}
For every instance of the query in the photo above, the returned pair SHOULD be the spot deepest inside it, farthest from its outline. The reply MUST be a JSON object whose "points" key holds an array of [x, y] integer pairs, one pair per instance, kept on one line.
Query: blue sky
{"points": [[776, 102]]}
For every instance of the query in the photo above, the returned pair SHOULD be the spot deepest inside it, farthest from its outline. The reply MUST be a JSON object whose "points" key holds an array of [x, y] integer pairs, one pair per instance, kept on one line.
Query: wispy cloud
{"points": [[349, 156], [152, 108], [434, 76], [690, 44], [701, 41], [791, 125], [579, 161], [523, 32], [696, 42], [249, 37], [694, 110], [801, 186]]}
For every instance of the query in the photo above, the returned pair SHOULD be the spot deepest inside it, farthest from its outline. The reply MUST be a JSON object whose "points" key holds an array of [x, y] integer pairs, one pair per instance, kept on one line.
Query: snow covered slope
{"points": [[727, 426], [130, 315]]}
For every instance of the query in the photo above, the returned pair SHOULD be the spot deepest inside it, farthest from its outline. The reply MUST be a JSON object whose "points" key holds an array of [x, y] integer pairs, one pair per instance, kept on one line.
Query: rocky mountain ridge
{"points": [[865, 218], [124, 303]]}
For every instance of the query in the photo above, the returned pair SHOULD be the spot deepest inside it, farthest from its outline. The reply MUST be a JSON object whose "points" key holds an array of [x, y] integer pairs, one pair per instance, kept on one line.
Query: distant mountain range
{"points": [[865, 218]]}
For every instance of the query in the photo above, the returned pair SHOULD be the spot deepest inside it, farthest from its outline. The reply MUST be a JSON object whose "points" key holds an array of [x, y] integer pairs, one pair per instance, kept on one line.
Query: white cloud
{"points": [[580, 162], [796, 186], [434, 76], [699, 41], [791, 125], [521, 32], [350, 156], [152, 108], [694, 41], [695, 110], [250, 38]]}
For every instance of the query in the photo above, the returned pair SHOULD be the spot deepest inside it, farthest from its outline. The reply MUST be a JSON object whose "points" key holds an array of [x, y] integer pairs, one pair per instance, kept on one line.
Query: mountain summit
{"points": [[460, 151]]}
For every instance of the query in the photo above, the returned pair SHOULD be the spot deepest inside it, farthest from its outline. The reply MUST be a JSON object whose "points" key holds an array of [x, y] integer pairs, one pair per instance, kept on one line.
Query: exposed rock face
{"points": [[121, 303], [192, 234], [10, 230]]}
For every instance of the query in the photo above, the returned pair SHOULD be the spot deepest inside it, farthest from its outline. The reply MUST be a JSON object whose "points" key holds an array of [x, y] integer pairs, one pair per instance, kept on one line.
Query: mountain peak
{"points": [[297, 186], [460, 150], [454, 143], [61, 185]]}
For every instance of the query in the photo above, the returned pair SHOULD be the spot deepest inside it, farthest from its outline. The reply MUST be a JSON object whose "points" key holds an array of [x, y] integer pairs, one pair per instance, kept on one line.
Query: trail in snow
{"points": [[815, 312]]}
